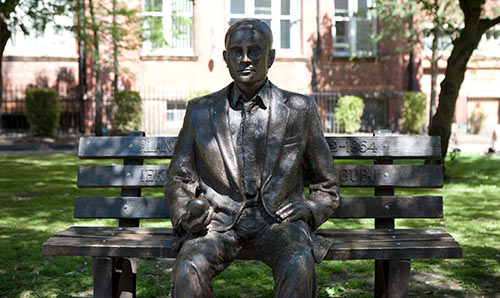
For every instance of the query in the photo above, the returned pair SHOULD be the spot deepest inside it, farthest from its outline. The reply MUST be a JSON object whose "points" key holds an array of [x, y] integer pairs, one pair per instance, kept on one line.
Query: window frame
{"points": [[350, 16], [489, 46], [54, 43], [276, 17], [166, 15]]}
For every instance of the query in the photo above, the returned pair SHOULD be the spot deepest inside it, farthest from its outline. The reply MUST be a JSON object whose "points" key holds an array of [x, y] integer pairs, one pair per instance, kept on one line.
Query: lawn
{"points": [[36, 200]]}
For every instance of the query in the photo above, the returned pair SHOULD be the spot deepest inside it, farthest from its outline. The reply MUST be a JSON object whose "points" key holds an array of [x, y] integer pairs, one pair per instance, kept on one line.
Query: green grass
{"points": [[36, 201]]}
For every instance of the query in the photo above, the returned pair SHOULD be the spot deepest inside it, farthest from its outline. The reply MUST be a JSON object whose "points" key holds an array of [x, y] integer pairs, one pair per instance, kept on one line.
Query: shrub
{"points": [[348, 112], [43, 110], [413, 117], [476, 121], [127, 113], [198, 93]]}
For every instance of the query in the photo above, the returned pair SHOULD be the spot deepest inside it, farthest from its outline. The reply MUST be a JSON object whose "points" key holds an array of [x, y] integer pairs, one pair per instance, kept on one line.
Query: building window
{"points": [[53, 42], [168, 27], [282, 16], [354, 29], [176, 111], [489, 45]]}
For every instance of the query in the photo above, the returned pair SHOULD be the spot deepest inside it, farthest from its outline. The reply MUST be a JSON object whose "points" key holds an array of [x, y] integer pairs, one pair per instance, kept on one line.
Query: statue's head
{"points": [[249, 53]]}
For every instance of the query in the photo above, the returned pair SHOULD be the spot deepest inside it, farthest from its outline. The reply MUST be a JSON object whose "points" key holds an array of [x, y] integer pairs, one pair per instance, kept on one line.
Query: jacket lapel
{"points": [[278, 120], [220, 125]]}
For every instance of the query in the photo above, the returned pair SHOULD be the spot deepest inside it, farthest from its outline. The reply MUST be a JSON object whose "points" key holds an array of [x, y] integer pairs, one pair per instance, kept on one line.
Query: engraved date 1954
{"points": [[353, 146]]}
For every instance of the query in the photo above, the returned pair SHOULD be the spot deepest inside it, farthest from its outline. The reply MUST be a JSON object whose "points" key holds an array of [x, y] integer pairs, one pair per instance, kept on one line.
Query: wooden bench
{"points": [[114, 249]]}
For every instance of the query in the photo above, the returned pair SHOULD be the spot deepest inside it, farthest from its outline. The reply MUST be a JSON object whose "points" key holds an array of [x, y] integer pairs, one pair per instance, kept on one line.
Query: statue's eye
{"points": [[236, 52], [254, 52]]}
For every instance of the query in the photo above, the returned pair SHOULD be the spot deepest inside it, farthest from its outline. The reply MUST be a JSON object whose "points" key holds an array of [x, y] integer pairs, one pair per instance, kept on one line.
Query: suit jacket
{"points": [[296, 155]]}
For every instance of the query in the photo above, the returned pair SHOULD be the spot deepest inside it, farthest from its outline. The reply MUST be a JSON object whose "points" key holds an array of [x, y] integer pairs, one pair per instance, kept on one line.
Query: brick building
{"points": [[193, 61]]}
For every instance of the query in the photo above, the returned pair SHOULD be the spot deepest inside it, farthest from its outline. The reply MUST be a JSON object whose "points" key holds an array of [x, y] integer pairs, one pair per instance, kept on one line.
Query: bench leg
{"points": [[125, 275], [391, 278], [114, 277], [103, 277]]}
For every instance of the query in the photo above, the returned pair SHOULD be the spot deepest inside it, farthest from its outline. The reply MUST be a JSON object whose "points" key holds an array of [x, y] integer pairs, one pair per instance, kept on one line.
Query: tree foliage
{"points": [[109, 28], [348, 112], [462, 23], [413, 118], [407, 22], [106, 29], [477, 20], [417, 22], [31, 17]]}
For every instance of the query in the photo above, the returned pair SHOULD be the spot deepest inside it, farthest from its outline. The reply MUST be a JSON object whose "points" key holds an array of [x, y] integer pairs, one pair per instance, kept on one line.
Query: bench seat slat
{"points": [[340, 238], [405, 176], [390, 251], [140, 242], [350, 207], [397, 147], [168, 231]]}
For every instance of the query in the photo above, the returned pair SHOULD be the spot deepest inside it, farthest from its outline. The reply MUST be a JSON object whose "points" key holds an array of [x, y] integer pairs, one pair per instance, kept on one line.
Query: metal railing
{"points": [[13, 117], [163, 110]]}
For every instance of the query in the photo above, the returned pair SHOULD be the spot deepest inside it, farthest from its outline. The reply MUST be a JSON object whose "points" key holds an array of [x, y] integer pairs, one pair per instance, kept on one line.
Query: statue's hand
{"points": [[294, 211], [198, 216]]}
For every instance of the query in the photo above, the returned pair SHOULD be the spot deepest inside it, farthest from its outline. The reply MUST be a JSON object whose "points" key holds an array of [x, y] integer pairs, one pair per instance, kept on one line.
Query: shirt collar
{"points": [[262, 98]]}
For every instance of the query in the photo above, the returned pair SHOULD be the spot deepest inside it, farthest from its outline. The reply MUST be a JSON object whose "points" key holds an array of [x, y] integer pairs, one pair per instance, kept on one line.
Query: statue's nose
{"points": [[245, 58]]}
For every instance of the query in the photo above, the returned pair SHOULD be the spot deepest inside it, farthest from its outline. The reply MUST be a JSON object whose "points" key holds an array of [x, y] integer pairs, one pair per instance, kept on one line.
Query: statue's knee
{"points": [[193, 264], [301, 260]]}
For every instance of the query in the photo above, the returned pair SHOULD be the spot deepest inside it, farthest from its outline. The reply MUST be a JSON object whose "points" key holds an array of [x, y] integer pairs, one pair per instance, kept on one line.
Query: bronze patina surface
{"points": [[236, 180]]}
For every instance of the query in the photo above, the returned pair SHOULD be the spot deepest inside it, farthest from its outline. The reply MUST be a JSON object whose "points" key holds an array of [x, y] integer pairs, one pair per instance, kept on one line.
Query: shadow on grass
{"points": [[475, 170], [475, 275], [25, 272]]}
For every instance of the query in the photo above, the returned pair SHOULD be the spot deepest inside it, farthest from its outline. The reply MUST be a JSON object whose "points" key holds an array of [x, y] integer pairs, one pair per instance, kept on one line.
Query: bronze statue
{"points": [[237, 177]]}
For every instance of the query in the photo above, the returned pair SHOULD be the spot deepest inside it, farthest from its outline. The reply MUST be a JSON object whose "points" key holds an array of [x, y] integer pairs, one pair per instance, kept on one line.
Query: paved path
{"points": [[37, 145], [471, 143]]}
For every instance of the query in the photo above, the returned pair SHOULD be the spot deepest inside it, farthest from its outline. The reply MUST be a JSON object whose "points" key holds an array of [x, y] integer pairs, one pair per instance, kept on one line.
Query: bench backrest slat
{"points": [[350, 207], [396, 147], [121, 207], [404, 176]]}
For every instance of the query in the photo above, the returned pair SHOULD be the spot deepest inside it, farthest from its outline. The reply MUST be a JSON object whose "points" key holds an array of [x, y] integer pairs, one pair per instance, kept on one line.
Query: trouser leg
{"points": [[287, 250], [198, 261]]}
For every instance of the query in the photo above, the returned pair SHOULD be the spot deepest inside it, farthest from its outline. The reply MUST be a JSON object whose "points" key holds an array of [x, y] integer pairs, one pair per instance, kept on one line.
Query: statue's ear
{"points": [[270, 59], [224, 55]]}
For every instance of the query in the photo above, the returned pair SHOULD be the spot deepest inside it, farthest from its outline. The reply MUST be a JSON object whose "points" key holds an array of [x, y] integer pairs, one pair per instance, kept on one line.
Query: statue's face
{"points": [[248, 57]]}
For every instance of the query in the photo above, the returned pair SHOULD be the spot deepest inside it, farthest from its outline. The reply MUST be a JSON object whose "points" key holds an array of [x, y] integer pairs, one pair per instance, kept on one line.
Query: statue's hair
{"points": [[249, 24]]}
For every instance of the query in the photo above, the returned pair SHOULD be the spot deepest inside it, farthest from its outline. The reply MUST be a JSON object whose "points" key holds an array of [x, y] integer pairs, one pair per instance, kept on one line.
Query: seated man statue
{"points": [[236, 180]]}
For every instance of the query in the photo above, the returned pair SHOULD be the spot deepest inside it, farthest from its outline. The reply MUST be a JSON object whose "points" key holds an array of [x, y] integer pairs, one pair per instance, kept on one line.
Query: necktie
{"points": [[247, 141]]}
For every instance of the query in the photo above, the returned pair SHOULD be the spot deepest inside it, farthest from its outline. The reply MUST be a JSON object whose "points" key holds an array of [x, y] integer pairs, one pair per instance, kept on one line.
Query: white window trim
{"points": [[50, 43], [443, 40], [276, 17], [166, 14], [351, 20]]}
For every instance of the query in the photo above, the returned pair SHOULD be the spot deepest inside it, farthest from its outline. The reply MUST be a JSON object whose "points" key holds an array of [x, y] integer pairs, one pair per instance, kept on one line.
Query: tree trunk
{"points": [[115, 48], [434, 74], [463, 47], [98, 88], [4, 37], [82, 62]]}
